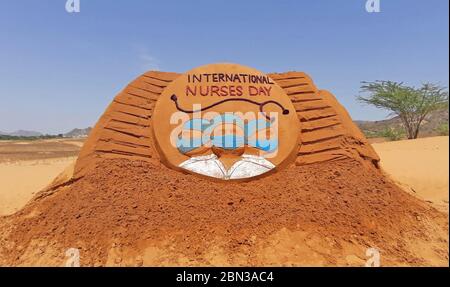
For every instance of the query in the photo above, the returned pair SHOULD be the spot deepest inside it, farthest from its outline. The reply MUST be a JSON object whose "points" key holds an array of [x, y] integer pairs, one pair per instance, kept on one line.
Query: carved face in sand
{"points": [[228, 147], [225, 121]]}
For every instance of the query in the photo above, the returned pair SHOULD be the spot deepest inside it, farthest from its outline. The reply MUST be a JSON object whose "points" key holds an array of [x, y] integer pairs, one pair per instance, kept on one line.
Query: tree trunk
{"points": [[416, 132], [408, 127]]}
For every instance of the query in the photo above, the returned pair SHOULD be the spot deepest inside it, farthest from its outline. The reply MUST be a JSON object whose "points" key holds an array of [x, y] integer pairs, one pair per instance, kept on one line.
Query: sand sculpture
{"points": [[136, 125], [143, 194]]}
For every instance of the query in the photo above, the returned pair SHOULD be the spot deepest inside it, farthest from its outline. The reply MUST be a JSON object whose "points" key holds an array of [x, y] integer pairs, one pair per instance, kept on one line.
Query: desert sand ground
{"points": [[420, 166], [28, 166]]}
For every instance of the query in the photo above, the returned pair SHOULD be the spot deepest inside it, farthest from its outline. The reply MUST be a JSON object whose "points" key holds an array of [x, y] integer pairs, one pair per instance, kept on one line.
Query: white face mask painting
{"points": [[210, 165]]}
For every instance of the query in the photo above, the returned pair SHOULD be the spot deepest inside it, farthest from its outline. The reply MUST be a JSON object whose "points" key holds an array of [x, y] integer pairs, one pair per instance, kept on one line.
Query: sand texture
{"points": [[420, 166], [136, 213]]}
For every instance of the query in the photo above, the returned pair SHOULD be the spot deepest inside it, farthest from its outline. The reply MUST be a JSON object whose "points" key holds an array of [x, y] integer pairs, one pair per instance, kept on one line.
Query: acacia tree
{"points": [[410, 104]]}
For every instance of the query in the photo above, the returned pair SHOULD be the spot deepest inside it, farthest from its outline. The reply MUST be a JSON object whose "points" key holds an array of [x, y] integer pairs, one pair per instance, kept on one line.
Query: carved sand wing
{"points": [[125, 129]]}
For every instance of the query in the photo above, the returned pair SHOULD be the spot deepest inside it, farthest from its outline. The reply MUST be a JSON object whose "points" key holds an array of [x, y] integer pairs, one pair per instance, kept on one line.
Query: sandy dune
{"points": [[28, 166], [21, 180], [420, 166]]}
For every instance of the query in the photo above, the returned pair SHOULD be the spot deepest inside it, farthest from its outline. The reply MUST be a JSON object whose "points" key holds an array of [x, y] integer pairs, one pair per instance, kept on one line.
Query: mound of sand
{"points": [[124, 207], [138, 213]]}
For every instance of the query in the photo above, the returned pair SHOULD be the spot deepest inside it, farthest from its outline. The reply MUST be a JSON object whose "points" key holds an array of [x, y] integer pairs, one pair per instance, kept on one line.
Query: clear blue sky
{"points": [[59, 70]]}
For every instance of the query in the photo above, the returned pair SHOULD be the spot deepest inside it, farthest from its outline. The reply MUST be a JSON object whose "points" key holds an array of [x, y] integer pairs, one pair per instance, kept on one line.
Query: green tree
{"points": [[410, 104]]}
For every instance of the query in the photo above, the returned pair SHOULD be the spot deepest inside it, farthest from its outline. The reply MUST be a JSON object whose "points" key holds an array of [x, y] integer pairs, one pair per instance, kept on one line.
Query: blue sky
{"points": [[59, 71]]}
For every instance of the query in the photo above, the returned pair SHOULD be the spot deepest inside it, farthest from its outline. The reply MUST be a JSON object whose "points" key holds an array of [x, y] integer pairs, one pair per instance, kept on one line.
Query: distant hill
{"points": [[22, 133], [431, 126], [78, 133], [32, 135]]}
